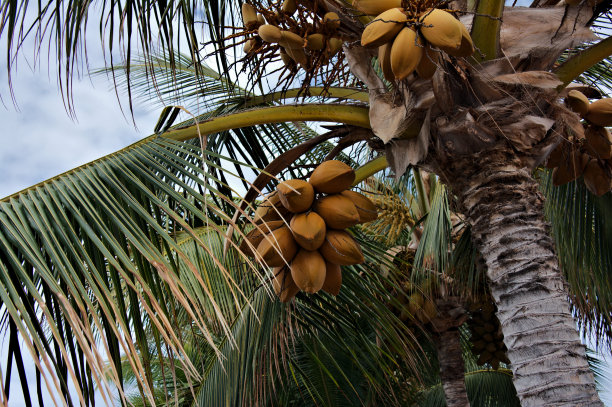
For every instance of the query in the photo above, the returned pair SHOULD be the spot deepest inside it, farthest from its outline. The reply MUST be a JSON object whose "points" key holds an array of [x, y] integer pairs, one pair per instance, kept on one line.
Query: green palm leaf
{"points": [[583, 232]]}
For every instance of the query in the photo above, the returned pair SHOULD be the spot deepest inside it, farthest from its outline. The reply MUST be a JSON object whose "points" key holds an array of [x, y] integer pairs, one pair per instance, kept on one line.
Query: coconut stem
{"points": [[370, 168]]}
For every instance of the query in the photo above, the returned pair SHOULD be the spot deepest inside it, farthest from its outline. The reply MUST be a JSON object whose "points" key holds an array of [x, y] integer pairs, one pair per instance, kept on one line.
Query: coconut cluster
{"points": [[300, 45], [487, 339], [300, 230], [411, 39], [409, 304], [588, 154]]}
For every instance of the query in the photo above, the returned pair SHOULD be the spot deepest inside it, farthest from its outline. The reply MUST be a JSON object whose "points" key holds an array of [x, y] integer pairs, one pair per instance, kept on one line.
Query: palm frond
{"points": [[582, 231], [123, 28], [86, 268]]}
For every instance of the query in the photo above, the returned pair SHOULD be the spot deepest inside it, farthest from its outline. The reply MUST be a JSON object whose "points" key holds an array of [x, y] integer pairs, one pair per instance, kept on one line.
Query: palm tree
{"points": [[106, 230]]}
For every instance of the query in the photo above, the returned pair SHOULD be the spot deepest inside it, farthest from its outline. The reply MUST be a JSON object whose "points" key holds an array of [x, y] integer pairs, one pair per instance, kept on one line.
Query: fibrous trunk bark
{"points": [[452, 370], [505, 208]]}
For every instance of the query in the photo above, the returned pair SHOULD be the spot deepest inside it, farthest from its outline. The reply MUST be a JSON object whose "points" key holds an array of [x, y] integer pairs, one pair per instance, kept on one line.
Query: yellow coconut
{"points": [[315, 42], [308, 230], [296, 195], [334, 45], [340, 248], [428, 65], [331, 20], [384, 59], [467, 45], [366, 208], [384, 28], [333, 278], [600, 112], [598, 142], [270, 33], [249, 16], [441, 29], [338, 211], [308, 271], [570, 169], [283, 284], [289, 6], [332, 177], [298, 55], [578, 102], [277, 248], [270, 209], [375, 7], [405, 54], [255, 236], [290, 40]]}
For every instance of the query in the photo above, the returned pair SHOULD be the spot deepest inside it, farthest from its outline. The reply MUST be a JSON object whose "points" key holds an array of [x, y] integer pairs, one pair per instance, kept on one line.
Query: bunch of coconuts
{"points": [[590, 153], [410, 39], [486, 338], [300, 230], [301, 43]]}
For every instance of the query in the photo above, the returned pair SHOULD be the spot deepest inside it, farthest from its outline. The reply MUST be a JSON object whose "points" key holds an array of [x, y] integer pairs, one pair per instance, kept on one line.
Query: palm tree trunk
{"points": [[452, 370], [505, 208]]}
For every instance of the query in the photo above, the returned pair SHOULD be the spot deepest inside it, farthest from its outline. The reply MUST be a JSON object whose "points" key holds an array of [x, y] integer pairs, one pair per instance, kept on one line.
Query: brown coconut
{"points": [[308, 271], [598, 142], [596, 178], [277, 248], [296, 195], [366, 208], [600, 112], [255, 236], [283, 284], [578, 102], [429, 63], [333, 278], [332, 177], [270, 209], [340, 248], [308, 230], [338, 211]]}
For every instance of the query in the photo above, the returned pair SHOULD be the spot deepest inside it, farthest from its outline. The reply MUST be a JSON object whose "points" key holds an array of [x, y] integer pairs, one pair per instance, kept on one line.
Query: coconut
{"points": [[296, 195], [366, 208], [283, 284], [405, 54], [277, 248], [441, 29], [255, 236], [600, 112], [333, 278], [308, 271], [308, 230], [383, 28], [340, 248], [338, 211], [332, 177]]}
